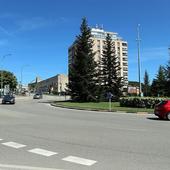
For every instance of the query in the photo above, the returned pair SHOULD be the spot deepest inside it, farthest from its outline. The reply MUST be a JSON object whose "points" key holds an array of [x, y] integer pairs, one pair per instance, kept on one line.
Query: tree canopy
{"points": [[8, 78], [146, 84]]}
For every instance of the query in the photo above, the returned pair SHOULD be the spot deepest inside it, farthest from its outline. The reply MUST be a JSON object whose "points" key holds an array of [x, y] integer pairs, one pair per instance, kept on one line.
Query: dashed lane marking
{"points": [[42, 152], [14, 145], [79, 160], [47, 153]]}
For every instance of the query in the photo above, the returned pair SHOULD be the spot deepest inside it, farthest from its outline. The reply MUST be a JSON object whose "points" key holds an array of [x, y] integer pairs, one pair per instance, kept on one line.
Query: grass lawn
{"points": [[102, 106]]}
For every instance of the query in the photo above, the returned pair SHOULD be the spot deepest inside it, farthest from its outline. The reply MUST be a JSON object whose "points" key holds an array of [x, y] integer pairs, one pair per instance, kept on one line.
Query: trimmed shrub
{"points": [[140, 102]]}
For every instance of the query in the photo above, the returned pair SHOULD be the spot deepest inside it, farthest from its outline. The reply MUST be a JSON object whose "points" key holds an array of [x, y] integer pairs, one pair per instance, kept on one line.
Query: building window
{"points": [[124, 54], [125, 59], [125, 64], [124, 44], [125, 69], [124, 49], [125, 74]]}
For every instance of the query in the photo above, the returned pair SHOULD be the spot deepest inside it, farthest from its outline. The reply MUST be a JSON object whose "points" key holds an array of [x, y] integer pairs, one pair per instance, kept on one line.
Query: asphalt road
{"points": [[37, 136]]}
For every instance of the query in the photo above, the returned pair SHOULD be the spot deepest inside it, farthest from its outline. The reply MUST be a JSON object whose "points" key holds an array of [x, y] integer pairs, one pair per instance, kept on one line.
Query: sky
{"points": [[37, 33]]}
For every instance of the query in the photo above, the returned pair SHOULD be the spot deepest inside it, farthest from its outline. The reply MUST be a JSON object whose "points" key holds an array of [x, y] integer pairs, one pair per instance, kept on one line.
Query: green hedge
{"points": [[140, 102]]}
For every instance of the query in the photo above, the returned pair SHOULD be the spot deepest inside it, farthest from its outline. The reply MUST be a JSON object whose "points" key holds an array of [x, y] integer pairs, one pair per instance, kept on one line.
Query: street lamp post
{"points": [[139, 66], [3, 57], [22, 68]]}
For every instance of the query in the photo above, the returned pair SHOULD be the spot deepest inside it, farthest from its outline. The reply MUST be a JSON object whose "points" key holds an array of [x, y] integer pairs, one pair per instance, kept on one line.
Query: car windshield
{"points": [[8, 96]]}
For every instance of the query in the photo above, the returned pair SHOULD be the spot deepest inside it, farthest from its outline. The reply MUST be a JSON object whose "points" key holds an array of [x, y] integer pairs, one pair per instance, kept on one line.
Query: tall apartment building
{"points": [[121, 49]]}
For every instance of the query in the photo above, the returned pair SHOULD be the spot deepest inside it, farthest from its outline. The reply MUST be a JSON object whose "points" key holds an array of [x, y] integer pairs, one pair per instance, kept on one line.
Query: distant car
{"points": [[8, 99], [38, 96], [162, 110]]}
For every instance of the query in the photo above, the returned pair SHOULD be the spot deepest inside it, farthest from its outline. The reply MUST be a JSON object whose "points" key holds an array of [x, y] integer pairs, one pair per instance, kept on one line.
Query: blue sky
{"points": [[38, 32]]}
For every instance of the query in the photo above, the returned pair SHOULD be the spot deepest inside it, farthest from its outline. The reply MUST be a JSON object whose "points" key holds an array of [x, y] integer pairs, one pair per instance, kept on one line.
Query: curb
{"points": [[117, 111], [67, 107]]}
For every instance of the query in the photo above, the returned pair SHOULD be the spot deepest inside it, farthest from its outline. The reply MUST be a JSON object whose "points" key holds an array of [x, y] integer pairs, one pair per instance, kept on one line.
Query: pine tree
{"points": [[82, 71], [161, 81], [154, 88], [158, 85], [111, 80], [167, 74], [146, 85]]}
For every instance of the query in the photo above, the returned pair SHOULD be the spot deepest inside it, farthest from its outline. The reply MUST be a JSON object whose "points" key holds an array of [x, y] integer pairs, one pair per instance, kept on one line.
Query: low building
{"points": [[133, 88], [56, 84], [32, 85], [133, 91]]}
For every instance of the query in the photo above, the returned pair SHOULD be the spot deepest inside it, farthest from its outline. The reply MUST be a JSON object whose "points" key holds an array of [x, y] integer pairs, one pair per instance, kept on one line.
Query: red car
{"points": [[162, 110]]}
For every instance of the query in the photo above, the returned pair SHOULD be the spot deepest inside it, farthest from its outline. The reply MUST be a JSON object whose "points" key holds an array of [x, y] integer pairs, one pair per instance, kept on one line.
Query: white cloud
{"points": [[38, 22], [21, 23], [33, 23], [62, 20], [149, 54]]}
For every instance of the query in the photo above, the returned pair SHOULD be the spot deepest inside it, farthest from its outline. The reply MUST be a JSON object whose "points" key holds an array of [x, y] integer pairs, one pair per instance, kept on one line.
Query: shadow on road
{"points": [[156, 119]]}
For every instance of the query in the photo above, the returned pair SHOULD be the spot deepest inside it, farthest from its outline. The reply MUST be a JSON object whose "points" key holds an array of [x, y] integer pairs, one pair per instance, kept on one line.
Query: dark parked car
{"points": [[162, 110], [38, 96], [8, 99]]}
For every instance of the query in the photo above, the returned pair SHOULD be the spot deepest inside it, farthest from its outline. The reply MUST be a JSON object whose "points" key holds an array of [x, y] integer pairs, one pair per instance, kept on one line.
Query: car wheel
{"points": [[168, 116]]}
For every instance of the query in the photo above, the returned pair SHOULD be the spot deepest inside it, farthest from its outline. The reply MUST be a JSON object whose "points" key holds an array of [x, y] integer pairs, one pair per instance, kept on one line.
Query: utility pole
{"points": [[139, 66], [1, 81], [22, 68]]}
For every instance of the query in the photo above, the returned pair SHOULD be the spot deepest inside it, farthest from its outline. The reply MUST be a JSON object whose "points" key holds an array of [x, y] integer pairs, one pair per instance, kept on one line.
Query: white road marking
{"points": [[79, 160], [42, 152], [14, 145], [19, 167], [1, 139]]}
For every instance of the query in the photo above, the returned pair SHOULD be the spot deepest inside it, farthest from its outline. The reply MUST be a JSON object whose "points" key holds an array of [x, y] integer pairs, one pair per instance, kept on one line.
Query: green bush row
{"points": [[140, 102]]}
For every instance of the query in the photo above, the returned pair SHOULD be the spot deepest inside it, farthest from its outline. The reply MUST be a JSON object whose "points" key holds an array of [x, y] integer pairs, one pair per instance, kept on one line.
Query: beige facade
{"points": [[133, 90], [57, 83], [121, 49]]}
